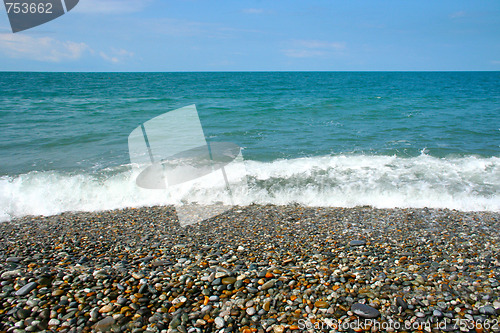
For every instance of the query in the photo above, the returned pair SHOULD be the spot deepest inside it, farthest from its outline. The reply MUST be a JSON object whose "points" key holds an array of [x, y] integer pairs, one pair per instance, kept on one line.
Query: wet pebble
{"points": [[26, 289], [365, 311]]}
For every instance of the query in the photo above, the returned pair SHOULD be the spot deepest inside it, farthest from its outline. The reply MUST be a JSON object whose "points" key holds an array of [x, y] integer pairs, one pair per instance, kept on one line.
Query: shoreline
{"points": [[252, 268], [23, 219]]}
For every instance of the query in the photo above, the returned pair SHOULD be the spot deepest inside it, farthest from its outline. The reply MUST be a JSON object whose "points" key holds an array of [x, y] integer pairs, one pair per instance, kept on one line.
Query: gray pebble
{"points": [[365, 311], [487, 310], [250, 311], [268, 284], [219, 322], [26, 289], [437, 313], [104, 324]]}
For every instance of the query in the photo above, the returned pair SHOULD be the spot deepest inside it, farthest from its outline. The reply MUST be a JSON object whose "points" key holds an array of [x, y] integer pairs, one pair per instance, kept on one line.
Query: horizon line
{"points": [[261, 71]]}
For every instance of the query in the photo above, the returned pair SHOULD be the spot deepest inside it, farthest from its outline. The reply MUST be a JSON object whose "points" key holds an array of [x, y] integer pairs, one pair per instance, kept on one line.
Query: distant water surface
{"points": [[385, 139]]}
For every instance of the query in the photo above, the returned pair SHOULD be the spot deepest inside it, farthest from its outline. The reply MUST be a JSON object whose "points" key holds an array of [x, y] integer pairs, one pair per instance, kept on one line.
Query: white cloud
{"points": [[110, 6], [184, 28], [294, 53], [178, 28], [318, 44], [253, 11], [313, 48], [457, 14], [116, 55], [41, 49]]}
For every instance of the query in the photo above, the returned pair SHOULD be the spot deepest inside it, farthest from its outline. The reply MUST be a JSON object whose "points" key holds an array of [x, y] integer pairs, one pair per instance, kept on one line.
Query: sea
{"points": [[337, 139]]}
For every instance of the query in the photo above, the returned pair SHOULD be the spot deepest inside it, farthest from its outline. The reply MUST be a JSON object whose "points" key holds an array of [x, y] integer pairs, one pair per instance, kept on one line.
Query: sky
{"points": [[258, 35]]}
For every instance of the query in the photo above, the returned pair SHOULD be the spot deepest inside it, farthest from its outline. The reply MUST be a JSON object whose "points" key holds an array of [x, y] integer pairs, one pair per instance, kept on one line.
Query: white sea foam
{"points": [[463, 183]]}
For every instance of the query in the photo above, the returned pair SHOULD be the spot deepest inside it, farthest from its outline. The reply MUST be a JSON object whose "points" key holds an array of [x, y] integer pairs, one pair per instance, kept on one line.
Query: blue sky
{"points": [[273, 35]]}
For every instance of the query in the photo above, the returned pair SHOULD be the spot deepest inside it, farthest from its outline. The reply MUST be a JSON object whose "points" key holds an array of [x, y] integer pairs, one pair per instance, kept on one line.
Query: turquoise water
{"points": [[317, 138]]}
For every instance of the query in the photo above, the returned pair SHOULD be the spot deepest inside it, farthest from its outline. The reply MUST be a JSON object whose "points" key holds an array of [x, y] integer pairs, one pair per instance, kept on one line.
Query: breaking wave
{"points": [[463, 183]]}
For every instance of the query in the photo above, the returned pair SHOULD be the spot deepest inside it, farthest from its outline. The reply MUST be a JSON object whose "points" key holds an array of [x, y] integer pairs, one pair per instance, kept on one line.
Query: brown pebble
{"points": [[58, 292], [106, 308], [228, 280], [321, 304]]}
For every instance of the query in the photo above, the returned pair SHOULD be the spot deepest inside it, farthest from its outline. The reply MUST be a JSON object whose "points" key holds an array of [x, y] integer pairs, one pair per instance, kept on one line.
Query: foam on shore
{"points": [[463, 183]]}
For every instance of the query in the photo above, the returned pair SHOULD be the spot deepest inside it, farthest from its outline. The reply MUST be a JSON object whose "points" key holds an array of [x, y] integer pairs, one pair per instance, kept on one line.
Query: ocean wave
{"points": [[463, 183]]}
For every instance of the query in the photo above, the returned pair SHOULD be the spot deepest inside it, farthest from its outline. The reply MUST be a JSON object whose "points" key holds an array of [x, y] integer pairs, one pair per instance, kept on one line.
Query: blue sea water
{"points": [[386, 139]]}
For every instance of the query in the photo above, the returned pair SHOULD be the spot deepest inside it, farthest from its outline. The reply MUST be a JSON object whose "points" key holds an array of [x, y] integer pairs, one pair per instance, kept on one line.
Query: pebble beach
{"points": [[252, 269]]}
